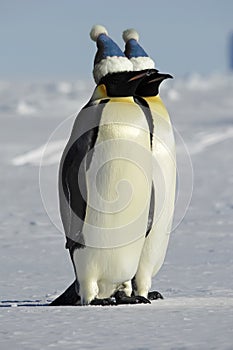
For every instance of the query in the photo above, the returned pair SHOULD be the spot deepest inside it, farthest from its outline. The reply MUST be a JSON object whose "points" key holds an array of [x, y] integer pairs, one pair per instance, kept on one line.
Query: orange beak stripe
{"points": [[137, 76]]}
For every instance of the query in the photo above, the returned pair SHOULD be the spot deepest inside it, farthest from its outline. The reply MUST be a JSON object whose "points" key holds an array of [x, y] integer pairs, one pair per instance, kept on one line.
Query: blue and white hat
{"points": [[109, 57], [135, 52]]}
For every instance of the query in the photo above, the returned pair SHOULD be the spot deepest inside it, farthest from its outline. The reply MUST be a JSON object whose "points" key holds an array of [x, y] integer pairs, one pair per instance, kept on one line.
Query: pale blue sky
{"points": [[50, 38]]}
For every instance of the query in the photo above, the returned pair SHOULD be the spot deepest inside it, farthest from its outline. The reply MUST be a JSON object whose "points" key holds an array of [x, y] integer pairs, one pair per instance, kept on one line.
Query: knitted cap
{"points": [[109, 58], [135, 52]]}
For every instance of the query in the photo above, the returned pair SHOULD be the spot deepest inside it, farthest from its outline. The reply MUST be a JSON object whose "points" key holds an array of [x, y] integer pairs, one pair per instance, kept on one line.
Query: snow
{"points": [[196, 278], [45, 154], [24, 108]]}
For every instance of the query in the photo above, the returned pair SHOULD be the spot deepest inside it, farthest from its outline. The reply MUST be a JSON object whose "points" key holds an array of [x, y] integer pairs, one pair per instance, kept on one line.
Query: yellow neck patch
{"points": [[156, 106], [100, 93], [127, 99]]}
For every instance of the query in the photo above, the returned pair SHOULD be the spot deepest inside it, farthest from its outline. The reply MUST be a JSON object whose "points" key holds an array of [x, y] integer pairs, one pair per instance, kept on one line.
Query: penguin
{"points": [[105, 183], [164, 168]]}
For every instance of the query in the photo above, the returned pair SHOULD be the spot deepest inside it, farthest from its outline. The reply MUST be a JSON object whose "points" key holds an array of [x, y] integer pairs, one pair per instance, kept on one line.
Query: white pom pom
{"points": [[96, 30], [130, 34]]}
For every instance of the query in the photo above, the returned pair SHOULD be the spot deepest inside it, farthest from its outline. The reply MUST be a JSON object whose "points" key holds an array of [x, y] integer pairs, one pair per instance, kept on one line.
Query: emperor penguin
{"points": [[105, 182], [164, 168]]}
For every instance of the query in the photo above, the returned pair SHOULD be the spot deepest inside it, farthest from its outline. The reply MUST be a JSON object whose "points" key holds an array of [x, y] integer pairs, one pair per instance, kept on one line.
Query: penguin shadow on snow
{"points": [[23, 303]]}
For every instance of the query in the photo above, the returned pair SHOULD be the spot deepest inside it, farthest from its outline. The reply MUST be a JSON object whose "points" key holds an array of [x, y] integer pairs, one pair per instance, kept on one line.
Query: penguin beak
{"points": [[138, 76], [160, 77]]}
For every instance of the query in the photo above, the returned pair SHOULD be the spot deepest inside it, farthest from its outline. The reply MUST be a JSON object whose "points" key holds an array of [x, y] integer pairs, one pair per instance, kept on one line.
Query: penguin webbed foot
{"points": [[103, 302], [154, 295], [122, 298]]}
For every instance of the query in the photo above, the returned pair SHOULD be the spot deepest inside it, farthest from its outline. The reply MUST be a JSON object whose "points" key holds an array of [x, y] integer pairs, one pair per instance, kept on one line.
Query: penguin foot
{"points": [[122, 298], [103, 302], [154, 295]]}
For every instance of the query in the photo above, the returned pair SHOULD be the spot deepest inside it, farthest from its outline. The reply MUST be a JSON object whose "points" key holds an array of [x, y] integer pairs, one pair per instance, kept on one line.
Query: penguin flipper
{"points": [[73, 169], [68, 297], [75, 162], [151, 211]]}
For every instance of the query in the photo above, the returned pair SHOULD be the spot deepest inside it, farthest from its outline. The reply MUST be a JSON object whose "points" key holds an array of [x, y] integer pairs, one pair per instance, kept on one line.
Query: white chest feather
{"points": [[119, 178]]}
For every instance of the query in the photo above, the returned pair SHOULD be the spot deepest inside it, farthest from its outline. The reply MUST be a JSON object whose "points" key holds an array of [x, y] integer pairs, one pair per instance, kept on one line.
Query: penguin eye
{"points": [[151, 71]]}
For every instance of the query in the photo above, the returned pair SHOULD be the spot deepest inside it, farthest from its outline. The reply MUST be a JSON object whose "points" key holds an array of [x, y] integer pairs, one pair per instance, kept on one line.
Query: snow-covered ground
{"points": [[197, 277]]}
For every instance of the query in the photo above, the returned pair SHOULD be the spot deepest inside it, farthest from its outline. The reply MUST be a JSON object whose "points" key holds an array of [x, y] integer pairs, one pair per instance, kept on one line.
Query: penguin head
{"points": [[122, 84], [149, 86], [109, 57]]}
